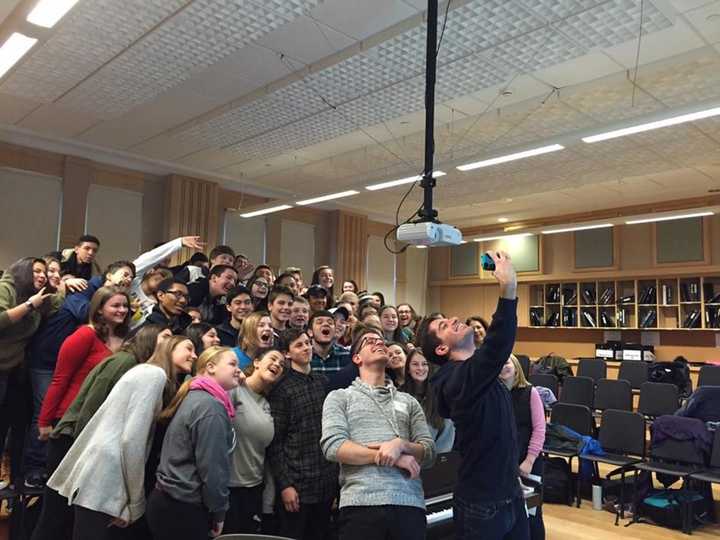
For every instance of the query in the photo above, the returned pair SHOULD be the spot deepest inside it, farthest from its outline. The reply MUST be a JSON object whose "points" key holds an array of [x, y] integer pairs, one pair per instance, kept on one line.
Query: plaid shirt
{"points": [[295, 456], [338, 358]]}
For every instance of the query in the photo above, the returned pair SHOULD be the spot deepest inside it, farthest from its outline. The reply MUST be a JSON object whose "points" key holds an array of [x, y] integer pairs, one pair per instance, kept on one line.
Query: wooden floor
{"points": [[570, 523]]}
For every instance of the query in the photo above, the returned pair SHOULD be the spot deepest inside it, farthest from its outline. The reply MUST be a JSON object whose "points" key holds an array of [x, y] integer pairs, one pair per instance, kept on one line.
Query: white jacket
{"points": [[104, 470]]}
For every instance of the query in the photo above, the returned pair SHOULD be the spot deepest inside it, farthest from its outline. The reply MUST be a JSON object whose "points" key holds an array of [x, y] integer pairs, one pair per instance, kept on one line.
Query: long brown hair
{"points": [[209, 356], [97, 303], [423, 392], [249, 342], [162, 358], [142, 344]]}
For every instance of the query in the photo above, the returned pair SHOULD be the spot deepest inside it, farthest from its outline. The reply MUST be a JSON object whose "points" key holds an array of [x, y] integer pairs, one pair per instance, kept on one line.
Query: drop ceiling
{"points": [[300, 98]]}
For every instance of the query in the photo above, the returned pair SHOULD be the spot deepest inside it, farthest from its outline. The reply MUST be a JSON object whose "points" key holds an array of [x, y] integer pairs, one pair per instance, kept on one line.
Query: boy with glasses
{"points": [[172, 295]]}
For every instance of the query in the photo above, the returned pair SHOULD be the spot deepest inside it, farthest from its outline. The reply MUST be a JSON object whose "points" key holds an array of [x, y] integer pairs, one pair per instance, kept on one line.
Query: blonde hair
{"points": [[249, 341], [520, 381], [209, 356]]}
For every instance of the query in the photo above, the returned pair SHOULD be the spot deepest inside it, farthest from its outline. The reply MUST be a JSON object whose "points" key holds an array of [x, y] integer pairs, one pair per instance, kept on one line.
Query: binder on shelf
{"points": [[692, 319], [647, 296], [606, 320], [553, 294], [667, 294], [588, 295], [589, 319], [629, 299], [554, 319], [569, 296], [649, 319], [535, 318], [607, 296]]}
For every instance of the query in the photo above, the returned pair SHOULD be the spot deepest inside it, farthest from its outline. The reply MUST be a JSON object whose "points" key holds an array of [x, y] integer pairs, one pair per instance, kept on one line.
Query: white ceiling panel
{"points": [[14, 108], [92, 34], [709, 28], [578, 70], [558, 9], [198, 36], [362, 19], [58, 121]]}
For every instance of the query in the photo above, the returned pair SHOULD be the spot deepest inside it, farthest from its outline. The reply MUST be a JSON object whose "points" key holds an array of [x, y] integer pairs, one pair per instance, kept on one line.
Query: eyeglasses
{"points": [[179, 294], [372, 341], [261, 285]]}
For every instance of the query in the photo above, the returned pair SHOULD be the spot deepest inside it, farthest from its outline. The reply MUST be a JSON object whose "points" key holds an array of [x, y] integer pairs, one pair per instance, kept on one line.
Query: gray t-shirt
{"points": [[254, 429]]}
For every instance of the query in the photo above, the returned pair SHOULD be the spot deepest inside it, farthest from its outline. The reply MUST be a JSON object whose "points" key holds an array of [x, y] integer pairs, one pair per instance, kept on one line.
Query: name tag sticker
{"points": [[400, 406]]}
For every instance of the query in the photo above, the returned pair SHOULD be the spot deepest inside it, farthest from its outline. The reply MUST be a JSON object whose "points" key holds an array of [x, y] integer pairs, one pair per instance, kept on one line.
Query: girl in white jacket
{"points": [[102, 475]]}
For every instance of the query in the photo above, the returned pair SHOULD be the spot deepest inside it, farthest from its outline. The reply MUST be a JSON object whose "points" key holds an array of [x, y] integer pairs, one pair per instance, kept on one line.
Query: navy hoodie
{"points": [[471, 395]]}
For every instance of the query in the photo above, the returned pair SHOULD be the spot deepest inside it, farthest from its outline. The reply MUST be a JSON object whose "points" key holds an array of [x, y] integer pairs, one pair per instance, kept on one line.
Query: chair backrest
{"points": [[657, 399], [613, 394], [545, 379], [577, 417], [524, 363], [595, 368], [715, 457], [634, 371], [578, 390], [622, 432], [709, 376]]}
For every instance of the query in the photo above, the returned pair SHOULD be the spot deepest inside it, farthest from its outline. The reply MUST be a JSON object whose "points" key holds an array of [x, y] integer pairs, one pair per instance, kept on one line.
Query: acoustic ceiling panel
{"points": [[203, 33], [558, 9], [90, 35]]}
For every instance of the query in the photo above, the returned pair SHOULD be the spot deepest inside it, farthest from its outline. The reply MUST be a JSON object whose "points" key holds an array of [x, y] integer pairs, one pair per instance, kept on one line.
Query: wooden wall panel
{"points": [[77, 175], [191, 208], [351, 247]]}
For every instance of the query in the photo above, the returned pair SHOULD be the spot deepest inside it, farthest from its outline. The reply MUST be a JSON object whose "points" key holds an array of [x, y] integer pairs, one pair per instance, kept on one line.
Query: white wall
{"points": [[297, 246], [380, 269], [416, 265], [246, 236], [115, 217], [29, 215]]}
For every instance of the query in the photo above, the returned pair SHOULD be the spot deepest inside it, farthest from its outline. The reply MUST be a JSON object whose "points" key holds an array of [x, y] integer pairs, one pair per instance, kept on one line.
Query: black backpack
{"points": [[676, 372], [557, 481]]}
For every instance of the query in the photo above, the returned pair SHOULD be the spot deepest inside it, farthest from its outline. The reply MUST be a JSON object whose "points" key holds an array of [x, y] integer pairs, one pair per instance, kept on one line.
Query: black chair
{"points": [[679, 459], [709, 376], [524, 363], [545, 379], [622, 437], [595, 368], [658, 399], [613, 394], [635, 372], [579, 419], [578, 390], [713, 473]]}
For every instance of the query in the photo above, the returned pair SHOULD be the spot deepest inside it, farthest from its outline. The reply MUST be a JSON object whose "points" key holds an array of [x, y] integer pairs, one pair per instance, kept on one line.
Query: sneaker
{"points": [[35, 481]]}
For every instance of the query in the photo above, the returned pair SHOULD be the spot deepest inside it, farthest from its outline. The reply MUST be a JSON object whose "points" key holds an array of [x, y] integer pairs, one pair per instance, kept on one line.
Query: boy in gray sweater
{"points": [[380, 438]]}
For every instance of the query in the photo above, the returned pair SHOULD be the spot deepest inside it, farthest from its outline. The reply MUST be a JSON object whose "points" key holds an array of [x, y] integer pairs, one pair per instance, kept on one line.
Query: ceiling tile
{"points": [[54, 120], [351, 17], [13, 108], [708, 29], [578, 70]]}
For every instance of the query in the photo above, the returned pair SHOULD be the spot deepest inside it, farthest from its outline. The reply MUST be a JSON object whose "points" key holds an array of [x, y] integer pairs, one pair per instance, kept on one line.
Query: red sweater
{"points": [[79, 354]]}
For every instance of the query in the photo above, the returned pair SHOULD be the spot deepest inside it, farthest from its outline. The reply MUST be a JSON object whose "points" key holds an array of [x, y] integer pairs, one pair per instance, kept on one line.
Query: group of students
{"points": [[212, 397]]}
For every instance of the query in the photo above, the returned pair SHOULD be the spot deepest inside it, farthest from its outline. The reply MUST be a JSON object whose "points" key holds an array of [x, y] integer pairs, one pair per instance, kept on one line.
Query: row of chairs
{"points": [[622, 436], [656, 399]]}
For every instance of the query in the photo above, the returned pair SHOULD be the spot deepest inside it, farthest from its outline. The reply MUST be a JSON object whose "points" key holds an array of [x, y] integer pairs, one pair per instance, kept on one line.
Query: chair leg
{"points": [[622, 495], [579, 482]]}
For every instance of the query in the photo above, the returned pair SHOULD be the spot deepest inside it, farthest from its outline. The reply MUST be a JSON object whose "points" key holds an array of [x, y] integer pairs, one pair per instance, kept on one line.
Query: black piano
{"points": [[438, 482]]}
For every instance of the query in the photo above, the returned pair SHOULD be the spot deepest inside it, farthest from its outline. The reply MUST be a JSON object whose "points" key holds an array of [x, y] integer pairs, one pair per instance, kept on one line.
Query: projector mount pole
{"points": [[427, 213]]}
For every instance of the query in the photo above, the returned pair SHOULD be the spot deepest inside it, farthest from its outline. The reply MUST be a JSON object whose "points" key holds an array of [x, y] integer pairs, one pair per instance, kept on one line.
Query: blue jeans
{"points": [[35, 449], [498, 520]]}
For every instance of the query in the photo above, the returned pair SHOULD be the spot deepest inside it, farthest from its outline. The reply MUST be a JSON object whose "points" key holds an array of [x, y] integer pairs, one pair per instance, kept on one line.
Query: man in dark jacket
{"points": [[488, 502], [172, 295], [239, 305], [209, 295]]}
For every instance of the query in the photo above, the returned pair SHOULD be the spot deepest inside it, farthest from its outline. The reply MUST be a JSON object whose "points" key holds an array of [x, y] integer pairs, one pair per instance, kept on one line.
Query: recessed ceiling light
{"points": [[13, 50], [48, 12], [510, 157], [503, 220], [506, 93], [264, 211]]}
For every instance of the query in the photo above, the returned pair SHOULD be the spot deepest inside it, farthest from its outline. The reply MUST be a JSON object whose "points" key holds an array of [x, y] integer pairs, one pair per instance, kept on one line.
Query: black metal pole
{"points": [[427, 213]]}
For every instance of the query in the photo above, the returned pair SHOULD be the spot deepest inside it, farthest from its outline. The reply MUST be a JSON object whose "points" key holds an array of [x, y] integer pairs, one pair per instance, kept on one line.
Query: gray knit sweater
{"points": [[365, 414]]}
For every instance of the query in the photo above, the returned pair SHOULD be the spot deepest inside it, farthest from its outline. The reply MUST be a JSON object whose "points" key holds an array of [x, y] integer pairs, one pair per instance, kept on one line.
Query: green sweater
{"points": [[95, 389], [14, 336]]}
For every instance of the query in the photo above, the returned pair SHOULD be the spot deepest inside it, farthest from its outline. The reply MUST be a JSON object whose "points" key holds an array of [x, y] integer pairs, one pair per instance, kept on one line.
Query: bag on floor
{"points": [[664, 507], [557, 481]]}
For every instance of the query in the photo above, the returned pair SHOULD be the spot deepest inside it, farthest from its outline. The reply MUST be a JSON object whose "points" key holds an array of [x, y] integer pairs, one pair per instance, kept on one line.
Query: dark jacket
{"points": [[177, 324], [678, 428], [45, 344], [704, 404], [227, 334], [213, 310], [471, 395]]}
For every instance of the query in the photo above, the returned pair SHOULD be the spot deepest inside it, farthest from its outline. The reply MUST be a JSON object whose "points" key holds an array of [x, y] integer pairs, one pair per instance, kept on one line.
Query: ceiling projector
{"points": [[428, 233]]}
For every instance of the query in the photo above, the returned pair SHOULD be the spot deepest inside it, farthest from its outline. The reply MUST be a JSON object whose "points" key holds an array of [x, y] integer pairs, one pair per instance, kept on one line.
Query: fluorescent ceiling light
{"points": [[579, 228], [48, 12], [672, 121], [13, 50], [669, 218], [421, 247], [504, 237], [511, 157], [328, 197], [408, 180], [266, 211]]}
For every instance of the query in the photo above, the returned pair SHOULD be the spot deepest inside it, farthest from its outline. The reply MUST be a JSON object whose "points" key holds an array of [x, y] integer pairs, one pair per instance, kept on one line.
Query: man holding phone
{"points": [[488, 502]]}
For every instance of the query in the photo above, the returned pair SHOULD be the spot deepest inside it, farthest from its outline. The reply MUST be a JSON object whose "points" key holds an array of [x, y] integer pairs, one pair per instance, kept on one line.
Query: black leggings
{"points": [[56, 517], [170, 519]]}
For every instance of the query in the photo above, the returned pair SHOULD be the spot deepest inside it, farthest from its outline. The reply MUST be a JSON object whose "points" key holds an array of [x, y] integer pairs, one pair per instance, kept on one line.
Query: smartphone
{"points": [[487, 262]]}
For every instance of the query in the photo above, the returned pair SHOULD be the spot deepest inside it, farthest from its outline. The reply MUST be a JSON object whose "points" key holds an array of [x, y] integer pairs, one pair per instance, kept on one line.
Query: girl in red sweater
{"points": [[109, 317]]}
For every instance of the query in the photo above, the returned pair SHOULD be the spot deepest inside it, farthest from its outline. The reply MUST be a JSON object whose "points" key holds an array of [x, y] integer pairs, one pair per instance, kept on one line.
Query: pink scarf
{"points": [[208, 384]]}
